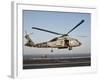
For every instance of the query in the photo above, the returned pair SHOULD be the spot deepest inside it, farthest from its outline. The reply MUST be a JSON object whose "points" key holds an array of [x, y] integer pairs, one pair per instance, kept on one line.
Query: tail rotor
{"points": [[29, 40]]}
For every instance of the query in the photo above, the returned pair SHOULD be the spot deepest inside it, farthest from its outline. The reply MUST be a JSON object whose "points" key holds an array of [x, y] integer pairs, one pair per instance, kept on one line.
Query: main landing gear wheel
{"points": [[51, 50], [70, 48]]}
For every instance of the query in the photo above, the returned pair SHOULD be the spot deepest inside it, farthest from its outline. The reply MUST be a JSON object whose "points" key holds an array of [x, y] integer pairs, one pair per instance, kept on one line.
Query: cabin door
{"points": [[66, 43]]}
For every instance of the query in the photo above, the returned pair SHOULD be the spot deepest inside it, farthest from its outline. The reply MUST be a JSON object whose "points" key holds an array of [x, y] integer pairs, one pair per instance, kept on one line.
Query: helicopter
{"points": [[63, 41]]}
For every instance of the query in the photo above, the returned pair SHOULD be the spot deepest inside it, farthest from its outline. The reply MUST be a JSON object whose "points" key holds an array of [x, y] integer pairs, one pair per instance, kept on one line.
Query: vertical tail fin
{"points": [[29, 43]]}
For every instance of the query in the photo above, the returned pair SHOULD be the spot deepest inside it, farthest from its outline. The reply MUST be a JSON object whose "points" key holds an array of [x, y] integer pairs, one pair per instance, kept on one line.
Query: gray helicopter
{"points": [[63, 41]]}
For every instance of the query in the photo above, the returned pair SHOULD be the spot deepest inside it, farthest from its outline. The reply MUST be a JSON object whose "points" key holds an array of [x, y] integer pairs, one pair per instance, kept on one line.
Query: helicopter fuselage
{"points": [[58, 42], [61, 42]]}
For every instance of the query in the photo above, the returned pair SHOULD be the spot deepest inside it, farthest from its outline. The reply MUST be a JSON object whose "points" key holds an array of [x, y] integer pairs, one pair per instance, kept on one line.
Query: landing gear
{"points": [[51, 50], [70, 48]]}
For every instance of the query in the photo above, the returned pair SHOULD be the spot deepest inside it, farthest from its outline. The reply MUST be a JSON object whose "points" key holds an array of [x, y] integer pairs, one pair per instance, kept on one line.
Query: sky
{"points": [[60, 22]]}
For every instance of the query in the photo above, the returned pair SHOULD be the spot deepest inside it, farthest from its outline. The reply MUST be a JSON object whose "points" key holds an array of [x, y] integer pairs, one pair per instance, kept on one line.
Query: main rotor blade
{"points": [[46, 31], [82, 36], [74, 27]]}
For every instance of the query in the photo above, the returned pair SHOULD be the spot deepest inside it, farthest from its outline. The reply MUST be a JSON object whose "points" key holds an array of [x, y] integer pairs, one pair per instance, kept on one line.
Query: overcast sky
{"points": [[60, 22]]}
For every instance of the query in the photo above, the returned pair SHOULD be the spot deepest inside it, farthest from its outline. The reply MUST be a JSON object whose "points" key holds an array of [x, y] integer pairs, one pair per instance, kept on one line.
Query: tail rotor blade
{"points": [[25, 32]]}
